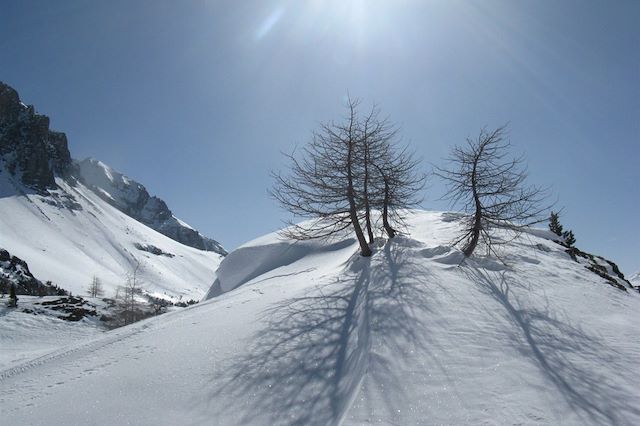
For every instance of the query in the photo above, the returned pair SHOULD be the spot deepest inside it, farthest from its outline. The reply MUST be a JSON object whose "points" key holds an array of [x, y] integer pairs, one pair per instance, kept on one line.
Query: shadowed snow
{"points": [[310, 333]]}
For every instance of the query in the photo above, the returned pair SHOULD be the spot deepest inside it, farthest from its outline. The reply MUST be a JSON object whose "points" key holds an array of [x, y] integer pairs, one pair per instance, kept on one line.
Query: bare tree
{"points": [[490, 187], [348, 170], [374, 147], [95, 287], [126, 294], [400, 185], [322, 184], [392, 182]]}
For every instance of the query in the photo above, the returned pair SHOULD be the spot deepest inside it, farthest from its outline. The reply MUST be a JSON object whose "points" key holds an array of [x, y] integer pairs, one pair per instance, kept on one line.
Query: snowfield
{"points": [[72, 235], [25, 336], [311, 333]]}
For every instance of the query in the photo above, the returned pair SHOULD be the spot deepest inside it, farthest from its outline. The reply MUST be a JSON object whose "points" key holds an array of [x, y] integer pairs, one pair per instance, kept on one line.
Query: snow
{"points": [[27, 336], [132, 198], [115, 184], [311, 333], [74, 234]]}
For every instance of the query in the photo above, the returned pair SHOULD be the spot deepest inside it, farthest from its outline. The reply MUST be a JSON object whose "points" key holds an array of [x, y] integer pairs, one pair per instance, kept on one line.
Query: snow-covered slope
{"points": [[70, 234], [69, 221], [38, 326], [635, 279], [310, 333]]}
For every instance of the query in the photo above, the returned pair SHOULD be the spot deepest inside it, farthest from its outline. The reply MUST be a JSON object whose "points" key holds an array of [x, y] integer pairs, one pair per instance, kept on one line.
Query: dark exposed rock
{"points": [[600, 266], [32, 152], [14, 270], [59, 153], [150, 248], [4, 256], [62, 200], [71, 308]]}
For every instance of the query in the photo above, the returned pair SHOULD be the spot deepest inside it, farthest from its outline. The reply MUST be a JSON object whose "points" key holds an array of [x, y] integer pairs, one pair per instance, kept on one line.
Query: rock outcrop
{"points": [[15, 271], [29, 149]]}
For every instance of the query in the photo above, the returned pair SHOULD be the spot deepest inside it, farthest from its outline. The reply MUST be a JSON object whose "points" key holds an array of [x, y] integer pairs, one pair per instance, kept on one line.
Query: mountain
{"points": [[36, 155], [29, 150], [635, 279], [132, 198], [311, 333], [71, 220]]}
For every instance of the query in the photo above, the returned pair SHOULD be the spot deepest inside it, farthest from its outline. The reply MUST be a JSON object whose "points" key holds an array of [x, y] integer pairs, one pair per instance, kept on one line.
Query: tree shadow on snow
{"points": [[308, 362], [564, 353]]}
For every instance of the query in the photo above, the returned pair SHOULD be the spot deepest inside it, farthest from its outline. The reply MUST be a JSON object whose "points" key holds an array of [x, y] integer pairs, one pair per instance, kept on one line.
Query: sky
{"points": [[197, 100]]}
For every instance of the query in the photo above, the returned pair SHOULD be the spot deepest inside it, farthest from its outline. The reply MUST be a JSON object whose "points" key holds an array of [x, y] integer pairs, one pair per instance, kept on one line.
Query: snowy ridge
{"points": [[133, 199], [311, 333], [71, 234]]}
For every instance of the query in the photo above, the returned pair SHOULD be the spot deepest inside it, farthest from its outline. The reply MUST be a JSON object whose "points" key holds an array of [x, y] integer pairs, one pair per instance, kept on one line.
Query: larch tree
{"points": [[375, 139], [346, 172], [400, 184], [129, 291], [95, 287], [490, 187], [322, 182]]}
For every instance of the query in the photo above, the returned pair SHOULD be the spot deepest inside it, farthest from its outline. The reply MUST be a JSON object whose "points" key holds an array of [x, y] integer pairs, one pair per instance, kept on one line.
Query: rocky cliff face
{"points": [[34, 155], [132, 198], [28, 147]]}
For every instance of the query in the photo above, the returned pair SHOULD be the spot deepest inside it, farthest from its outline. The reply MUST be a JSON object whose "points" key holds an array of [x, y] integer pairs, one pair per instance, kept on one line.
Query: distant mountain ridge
{"points": [[132, 198], [36, 155]]}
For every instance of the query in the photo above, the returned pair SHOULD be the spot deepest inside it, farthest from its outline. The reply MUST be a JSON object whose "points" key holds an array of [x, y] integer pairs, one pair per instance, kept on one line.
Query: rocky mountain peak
{"points": [[29, 149], [132, 198]]}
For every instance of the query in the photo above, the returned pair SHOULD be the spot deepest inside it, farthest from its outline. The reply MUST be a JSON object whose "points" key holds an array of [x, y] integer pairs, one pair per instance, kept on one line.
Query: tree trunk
{"points": [[475, 235], [477, 221], [367, 217], [365, 250], [367, 209], [385, 212]]}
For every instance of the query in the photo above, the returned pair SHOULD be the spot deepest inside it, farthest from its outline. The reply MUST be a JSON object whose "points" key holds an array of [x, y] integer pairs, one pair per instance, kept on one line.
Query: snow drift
{"points": [[311, 333]]}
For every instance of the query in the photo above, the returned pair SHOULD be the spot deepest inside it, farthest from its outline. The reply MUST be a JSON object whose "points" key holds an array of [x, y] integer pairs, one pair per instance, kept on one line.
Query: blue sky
{"points": [[197, 99]]}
